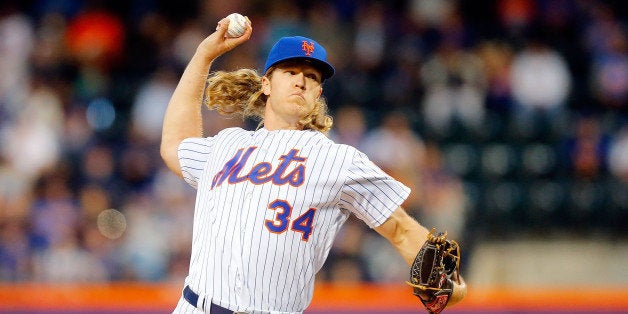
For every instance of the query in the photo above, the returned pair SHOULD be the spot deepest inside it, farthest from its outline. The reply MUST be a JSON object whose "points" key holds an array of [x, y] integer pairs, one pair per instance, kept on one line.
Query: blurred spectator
{"points": [[150, 104], [102, 248], [444, 202], [55, 216], [382, 261], [177, 199], [54, 212], [349, 126], [447, 202], [49, 59], [15, 255], [455, 88], [93, 199], [398, 150], [370, 36], [145, 247], [137, 166], [283, 19], [346, 269], [610, 75], [95, 40], [346, 262], [601, 20], [541, 85], [586, 149], [497, 58], [325, 23], [516, 17], [97, 166], [540, 79], [431, 13], [77, 133], [66, 261], [605, 40], [401, 84], [16, 44], [15, 251], [618, 155], [103, 252], [31, 141], [184, 42]]}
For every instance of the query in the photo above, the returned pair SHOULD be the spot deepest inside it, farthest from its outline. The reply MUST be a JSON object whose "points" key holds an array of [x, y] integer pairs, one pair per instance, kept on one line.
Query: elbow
{"points": [[169, 155], [164, 151]]}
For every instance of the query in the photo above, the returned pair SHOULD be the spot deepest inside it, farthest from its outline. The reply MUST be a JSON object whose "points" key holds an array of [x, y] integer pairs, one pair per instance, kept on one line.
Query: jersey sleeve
{"points": [[193, 155], [370, 193]]}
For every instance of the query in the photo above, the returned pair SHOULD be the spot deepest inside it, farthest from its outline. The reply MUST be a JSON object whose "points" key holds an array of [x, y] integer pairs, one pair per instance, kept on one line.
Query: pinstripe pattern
{"points": [[237, 260]]}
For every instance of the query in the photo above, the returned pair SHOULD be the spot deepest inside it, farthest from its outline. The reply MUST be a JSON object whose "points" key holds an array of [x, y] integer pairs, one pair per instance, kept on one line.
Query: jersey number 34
{"points": [[282, 221]]}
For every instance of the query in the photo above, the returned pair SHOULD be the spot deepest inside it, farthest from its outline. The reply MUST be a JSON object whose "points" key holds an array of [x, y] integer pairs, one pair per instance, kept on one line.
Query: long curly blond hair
{"points": [[239, 94]]}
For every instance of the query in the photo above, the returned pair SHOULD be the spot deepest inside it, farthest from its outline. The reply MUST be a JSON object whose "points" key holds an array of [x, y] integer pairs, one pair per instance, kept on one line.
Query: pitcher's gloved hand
{"points": [[433, 271]]}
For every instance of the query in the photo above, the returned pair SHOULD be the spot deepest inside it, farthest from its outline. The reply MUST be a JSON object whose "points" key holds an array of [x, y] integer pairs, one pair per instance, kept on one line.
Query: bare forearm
{"points": [[408, 236], [183, 117], [404, 233]]}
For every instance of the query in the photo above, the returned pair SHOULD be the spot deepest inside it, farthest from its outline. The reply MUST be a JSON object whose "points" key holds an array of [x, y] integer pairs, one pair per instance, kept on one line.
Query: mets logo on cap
{"points": [[308, 47], [299, 47]]}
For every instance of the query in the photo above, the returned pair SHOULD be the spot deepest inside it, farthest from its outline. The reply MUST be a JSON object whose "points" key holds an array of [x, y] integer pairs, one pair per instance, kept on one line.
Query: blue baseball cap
{"points": [[299, 47]]}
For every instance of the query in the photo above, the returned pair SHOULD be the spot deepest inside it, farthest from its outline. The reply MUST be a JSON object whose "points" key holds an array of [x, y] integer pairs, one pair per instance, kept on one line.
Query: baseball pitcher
{"points": [[270, 202]]}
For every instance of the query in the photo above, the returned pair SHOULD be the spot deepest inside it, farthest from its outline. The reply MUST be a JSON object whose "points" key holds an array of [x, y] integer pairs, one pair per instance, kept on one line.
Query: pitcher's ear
{"points": [[265, 85]]}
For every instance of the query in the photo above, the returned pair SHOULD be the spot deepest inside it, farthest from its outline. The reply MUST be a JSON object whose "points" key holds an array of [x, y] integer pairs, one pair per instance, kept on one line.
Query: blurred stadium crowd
{"points": [[506, 117]]}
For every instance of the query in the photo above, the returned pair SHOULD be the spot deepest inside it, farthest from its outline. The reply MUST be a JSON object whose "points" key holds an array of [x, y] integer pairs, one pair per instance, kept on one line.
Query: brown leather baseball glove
{"points": [[433, 271]]}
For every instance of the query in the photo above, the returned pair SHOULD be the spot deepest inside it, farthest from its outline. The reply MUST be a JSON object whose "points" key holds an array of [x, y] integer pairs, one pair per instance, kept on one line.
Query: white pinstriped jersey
{"points": [[268, 206]]}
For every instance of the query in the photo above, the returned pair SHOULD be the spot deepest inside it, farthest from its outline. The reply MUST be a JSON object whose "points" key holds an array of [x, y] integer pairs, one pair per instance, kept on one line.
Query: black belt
{"points": [[192, 298]]}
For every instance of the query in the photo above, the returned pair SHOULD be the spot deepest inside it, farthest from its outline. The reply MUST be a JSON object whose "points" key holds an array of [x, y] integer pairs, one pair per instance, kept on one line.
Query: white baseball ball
{"points": [[237, 25]]}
